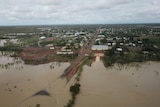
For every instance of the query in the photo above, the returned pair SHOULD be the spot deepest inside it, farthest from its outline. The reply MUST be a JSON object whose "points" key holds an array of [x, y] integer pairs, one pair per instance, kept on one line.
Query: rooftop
{"points": [[99, 47]]}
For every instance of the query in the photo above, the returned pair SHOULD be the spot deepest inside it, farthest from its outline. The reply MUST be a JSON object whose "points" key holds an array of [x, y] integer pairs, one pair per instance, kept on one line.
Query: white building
{"points": [[101, 36], [119, 49], [99, 47], [42, 37], [64, 52]]}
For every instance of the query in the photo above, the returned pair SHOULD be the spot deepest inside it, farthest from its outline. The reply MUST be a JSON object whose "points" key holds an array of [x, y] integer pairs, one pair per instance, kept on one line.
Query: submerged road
{"points": [[69, 72], [72, 69]]}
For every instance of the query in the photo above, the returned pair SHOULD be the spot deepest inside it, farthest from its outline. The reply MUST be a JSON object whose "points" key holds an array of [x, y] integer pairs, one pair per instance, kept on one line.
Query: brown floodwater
{"points": [[134, 85], [19, 82]]}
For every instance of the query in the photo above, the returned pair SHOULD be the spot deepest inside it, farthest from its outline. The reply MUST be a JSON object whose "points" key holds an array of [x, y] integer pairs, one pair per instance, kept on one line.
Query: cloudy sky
{"points": [[38, 12]]}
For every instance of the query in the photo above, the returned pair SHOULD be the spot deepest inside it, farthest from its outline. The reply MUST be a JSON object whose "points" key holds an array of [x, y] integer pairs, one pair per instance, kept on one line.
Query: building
{"points": [[99, 47], [119, 49], [65, 52], [42, 37], [101, 36]]}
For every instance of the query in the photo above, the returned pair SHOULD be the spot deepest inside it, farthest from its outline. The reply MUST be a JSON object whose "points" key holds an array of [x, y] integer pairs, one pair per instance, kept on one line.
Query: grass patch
{"points": [[80, 69], [29, 40]]}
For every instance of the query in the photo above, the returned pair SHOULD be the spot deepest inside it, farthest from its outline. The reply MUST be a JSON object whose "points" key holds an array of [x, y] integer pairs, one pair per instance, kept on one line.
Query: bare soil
{"points": [[41, 55], [36, 53]]}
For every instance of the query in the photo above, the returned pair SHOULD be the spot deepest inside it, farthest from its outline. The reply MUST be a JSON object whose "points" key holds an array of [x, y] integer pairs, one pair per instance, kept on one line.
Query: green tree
{"points": [[75, 88]]}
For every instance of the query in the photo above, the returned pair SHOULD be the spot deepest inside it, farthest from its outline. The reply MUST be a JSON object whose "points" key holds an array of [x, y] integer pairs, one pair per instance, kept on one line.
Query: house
{"points": [[119, 49], [99, 47], [109, 44], [42, 37], [114, 43], [64, 52], [101, 36], [51, 48], [121, 44], [133, 44], [109, 39], [49, 45], [139, 42]]}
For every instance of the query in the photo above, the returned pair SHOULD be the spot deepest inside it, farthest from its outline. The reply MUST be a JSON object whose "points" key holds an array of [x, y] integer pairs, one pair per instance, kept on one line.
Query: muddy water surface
{"points": [[136, 85], [18, 82]]}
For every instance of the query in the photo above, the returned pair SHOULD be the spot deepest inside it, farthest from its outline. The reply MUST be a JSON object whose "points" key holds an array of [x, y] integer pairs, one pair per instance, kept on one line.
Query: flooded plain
{"points": [[134, 85], [19, 83]]}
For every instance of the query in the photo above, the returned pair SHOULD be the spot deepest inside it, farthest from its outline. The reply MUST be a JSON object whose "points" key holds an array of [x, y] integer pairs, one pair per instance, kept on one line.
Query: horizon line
{"points": [[75, 24]]}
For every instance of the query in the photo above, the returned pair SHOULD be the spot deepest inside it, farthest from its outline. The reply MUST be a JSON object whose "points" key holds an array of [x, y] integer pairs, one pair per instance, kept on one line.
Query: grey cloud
{"points": [[78, 11]]}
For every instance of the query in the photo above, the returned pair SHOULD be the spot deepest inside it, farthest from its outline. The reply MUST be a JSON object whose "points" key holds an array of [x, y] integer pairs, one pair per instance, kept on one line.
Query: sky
{"points": [[50, 12]]}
